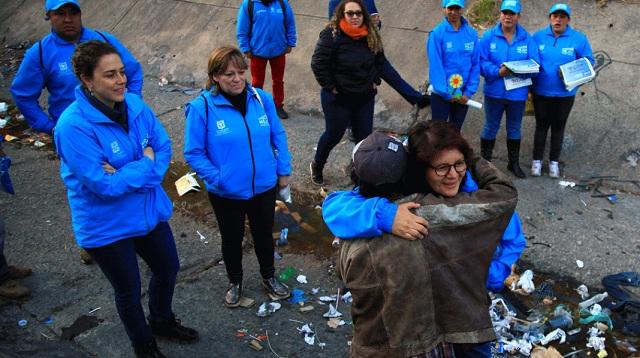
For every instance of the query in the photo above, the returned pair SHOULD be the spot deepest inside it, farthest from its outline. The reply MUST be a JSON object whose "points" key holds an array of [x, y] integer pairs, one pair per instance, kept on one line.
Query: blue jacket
{"points": [[269, 35], [554, 52], [350, 215], [237, 157], [453, 52], [109, 207], [58, 77], [496, 50], [369, 4]]}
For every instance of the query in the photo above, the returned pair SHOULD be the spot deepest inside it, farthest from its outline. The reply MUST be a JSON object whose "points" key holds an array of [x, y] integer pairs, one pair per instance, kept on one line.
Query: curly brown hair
{"points": [[373, 38], [87, 55]]}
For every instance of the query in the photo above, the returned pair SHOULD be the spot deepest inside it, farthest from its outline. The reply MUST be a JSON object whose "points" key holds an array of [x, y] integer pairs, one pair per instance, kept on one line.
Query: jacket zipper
{"points": [[253, 161]]}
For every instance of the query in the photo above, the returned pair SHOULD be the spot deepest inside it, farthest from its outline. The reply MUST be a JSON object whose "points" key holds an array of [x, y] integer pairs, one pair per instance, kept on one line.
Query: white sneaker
{"points": [[554, 170], [536, 168]]}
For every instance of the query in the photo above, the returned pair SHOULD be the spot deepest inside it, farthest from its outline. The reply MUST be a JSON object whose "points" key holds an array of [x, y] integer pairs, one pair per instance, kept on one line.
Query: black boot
{"points": [[172, 328], [148, 350], [316, 173], [513, 150], [486, 148]]}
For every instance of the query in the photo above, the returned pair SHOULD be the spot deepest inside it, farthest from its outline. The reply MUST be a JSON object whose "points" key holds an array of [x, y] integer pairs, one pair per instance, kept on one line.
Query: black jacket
{"points": [[346, 64]]}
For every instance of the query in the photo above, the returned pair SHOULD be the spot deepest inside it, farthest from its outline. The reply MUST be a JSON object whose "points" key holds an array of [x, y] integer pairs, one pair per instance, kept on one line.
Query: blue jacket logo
{"points": [[115, 148], [522, 49], [468, 46], [145, 141], [567, 51], [493, 47], [449, 45], [541, 47], [220, 124], [263, 121], [63, 66]]}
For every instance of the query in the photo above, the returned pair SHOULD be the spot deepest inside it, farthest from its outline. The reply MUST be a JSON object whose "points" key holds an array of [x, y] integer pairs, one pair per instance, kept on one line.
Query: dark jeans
{"points": [[443, 110], [551, 112], [614, 283], [340, 111], [119, 264], [493, 110], [4, 268], [230, 214]]}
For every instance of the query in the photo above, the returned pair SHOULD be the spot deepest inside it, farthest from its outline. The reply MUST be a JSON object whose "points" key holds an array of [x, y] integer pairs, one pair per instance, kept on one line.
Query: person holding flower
{"points": [[454, 65]]}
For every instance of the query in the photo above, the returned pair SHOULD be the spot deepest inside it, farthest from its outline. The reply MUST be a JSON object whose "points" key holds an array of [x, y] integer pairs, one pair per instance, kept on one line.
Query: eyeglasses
{"points": [[350, 13], [444, 169]]}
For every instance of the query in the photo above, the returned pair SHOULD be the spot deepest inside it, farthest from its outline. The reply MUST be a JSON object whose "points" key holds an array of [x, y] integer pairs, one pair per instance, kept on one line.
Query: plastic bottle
{"points": [[287, 273], [593, 300]]}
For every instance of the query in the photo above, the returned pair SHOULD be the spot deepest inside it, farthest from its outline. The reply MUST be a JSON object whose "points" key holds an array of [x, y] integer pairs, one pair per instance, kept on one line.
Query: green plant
{"points": [[483, 13]]}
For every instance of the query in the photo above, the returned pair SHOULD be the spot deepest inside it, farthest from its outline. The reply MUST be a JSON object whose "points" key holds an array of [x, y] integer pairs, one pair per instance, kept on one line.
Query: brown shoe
{"points": [[13, 289], [19, 272], [85, 257]]}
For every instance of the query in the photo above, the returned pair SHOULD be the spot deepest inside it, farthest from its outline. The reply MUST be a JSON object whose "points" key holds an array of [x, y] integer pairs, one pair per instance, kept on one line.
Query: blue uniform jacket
{"points": [[350, 215], [58, 77], [237, 157], [369, 4], [554, 52], [109, 207], [453, 52], [267, 37], [496, 50]]}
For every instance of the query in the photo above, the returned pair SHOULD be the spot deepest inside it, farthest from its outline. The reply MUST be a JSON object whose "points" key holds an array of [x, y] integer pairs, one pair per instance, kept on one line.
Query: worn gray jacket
{"points": [[408, 296]]}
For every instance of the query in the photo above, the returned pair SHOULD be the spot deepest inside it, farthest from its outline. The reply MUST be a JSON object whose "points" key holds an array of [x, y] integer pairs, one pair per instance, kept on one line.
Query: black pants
{"points": [[230, 214], [4, 268], [551, 112], [341, 111]]}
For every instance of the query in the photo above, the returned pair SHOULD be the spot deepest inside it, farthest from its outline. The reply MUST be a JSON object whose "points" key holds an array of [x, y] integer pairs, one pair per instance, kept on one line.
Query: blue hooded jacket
{"points": [[496, 50], [554, 52], [130, 202], [349, 215], [237, 157], [453, 52], [58, 77], [271, 31]]}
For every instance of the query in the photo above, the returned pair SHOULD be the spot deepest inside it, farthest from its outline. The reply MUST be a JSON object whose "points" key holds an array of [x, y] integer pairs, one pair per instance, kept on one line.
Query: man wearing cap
{"points": [[504, 91], [48, 64], [558, 44], [454, 66]]}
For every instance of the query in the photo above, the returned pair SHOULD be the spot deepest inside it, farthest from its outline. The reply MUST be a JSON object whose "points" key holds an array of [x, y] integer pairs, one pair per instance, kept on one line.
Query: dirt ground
{"points": [[562, 225]]}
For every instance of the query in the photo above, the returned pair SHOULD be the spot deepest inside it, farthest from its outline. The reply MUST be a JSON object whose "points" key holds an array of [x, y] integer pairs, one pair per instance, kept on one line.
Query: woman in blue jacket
{"points": [[235, 142], [507, 41], [558, 44], [114, 153], [454, 67]]}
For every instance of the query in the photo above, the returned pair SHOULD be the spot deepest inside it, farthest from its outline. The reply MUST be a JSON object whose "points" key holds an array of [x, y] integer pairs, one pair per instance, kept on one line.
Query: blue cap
{"points": [[510, 5], [449, 3], [560, 7], [53, 5]]}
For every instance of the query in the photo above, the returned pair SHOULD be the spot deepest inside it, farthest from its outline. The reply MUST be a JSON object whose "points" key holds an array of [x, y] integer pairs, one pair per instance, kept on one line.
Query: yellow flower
{"points": [[455, 81]]}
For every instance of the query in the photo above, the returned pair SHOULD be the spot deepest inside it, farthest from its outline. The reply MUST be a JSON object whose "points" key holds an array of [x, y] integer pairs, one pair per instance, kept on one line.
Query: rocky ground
{"points": [[71, 313]]}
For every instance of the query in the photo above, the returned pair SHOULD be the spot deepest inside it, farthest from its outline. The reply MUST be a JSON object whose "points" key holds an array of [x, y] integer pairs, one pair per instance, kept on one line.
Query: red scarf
{"points": [[354, 32]]}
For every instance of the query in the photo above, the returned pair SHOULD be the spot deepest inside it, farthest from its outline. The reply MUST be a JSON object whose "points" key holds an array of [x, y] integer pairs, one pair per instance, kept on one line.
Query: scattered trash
{"points": [[314, 291], [595, 341], [583, 291], [593, 300], [22, 323], [255, 345], [561, 318], [241, 333], [580, 263], [541, 352], [308, 228], [3, 108], [328, 298], [287, 273], [246, 302], [9, 138], [95, 309], [346, 298], [612, 198], [282, 241], [574, 331], [277, 256], [525, 283], [309, 335], [554, 335], [3, 122], [323, 192], [285, 194], [307, 308], [332, 312], [565, 184], [48, 321], [335, 243], [267, 308], [203, 238], [301, 279], [186, 184], [335, 323], [38, 144], [163, 82], [297, 296]]}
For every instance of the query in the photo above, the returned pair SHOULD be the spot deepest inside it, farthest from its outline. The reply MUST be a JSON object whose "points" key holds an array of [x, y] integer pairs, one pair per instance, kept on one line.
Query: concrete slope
{"points": [[172, 39]]}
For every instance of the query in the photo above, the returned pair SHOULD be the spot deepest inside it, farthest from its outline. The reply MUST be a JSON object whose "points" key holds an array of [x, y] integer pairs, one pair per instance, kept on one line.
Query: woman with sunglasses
{"points": [[348, 63], [468, 203]]}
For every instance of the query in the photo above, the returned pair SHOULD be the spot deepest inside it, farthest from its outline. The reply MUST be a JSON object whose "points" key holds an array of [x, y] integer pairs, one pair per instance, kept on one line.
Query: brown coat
{"points": [[408, 296]]}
